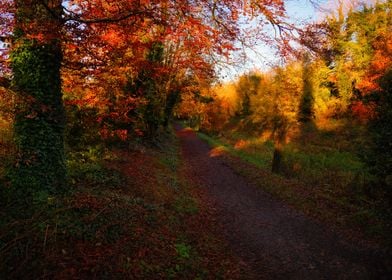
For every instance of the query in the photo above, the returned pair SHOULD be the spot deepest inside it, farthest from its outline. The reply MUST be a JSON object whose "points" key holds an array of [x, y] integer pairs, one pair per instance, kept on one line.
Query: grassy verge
{"points": [[260, 158], [129, 214], [325, 183]]}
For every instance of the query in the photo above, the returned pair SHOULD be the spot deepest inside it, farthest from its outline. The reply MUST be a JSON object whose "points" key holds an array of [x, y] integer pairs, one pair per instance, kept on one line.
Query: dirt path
{"points": [[276, 241]]}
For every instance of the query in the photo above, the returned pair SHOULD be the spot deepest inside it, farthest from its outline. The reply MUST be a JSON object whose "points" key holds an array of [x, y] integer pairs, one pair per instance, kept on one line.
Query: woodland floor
{"points": [[272, 238], [175, 210]]}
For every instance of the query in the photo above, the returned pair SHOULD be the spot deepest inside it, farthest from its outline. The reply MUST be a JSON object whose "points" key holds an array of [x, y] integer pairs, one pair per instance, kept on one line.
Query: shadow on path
{"points": [[276, 241]]}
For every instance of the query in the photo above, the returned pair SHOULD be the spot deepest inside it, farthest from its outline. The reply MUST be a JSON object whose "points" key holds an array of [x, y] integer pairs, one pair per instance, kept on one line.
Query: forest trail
{"points": [[274, 240]]}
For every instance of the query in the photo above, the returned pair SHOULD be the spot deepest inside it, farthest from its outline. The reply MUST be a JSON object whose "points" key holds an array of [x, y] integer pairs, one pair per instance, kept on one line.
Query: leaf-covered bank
{"points": [[129, 215]]}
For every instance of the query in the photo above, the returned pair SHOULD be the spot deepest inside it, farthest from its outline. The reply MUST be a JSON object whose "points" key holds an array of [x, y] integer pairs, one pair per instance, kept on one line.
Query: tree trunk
{"points": [[39, 124], [277, 158], [171, 101]]}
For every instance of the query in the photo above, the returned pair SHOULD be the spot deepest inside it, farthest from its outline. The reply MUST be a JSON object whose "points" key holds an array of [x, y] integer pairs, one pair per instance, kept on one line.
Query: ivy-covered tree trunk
{"points": [[39, 124], [171, 102]]}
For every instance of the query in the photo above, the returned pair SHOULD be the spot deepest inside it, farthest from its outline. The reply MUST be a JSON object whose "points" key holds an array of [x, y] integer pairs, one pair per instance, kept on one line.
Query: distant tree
{"points": [[274, 106], [247, 86], [348, 41], [306, 106]]}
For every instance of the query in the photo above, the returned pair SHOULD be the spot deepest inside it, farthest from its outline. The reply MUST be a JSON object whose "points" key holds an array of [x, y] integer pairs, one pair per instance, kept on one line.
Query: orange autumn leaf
{"points": [[112, 37]]}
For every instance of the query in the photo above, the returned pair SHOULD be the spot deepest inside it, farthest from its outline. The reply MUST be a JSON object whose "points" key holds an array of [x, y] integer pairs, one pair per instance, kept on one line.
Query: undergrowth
{"points": [[128, 214], [6, 147]]}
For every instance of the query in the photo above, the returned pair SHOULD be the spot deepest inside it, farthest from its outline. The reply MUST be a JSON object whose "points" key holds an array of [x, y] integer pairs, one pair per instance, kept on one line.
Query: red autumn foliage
{"points": [[381, 62]]}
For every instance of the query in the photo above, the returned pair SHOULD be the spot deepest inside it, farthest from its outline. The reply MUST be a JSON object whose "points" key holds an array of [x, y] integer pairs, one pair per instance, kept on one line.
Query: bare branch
{"points": [[120, 17], [71, 16]]}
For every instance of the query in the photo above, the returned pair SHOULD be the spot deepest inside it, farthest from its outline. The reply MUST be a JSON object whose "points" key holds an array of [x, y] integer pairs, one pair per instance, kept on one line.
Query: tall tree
{"points": [[146, 86], [247, 87], [39, 122]]}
